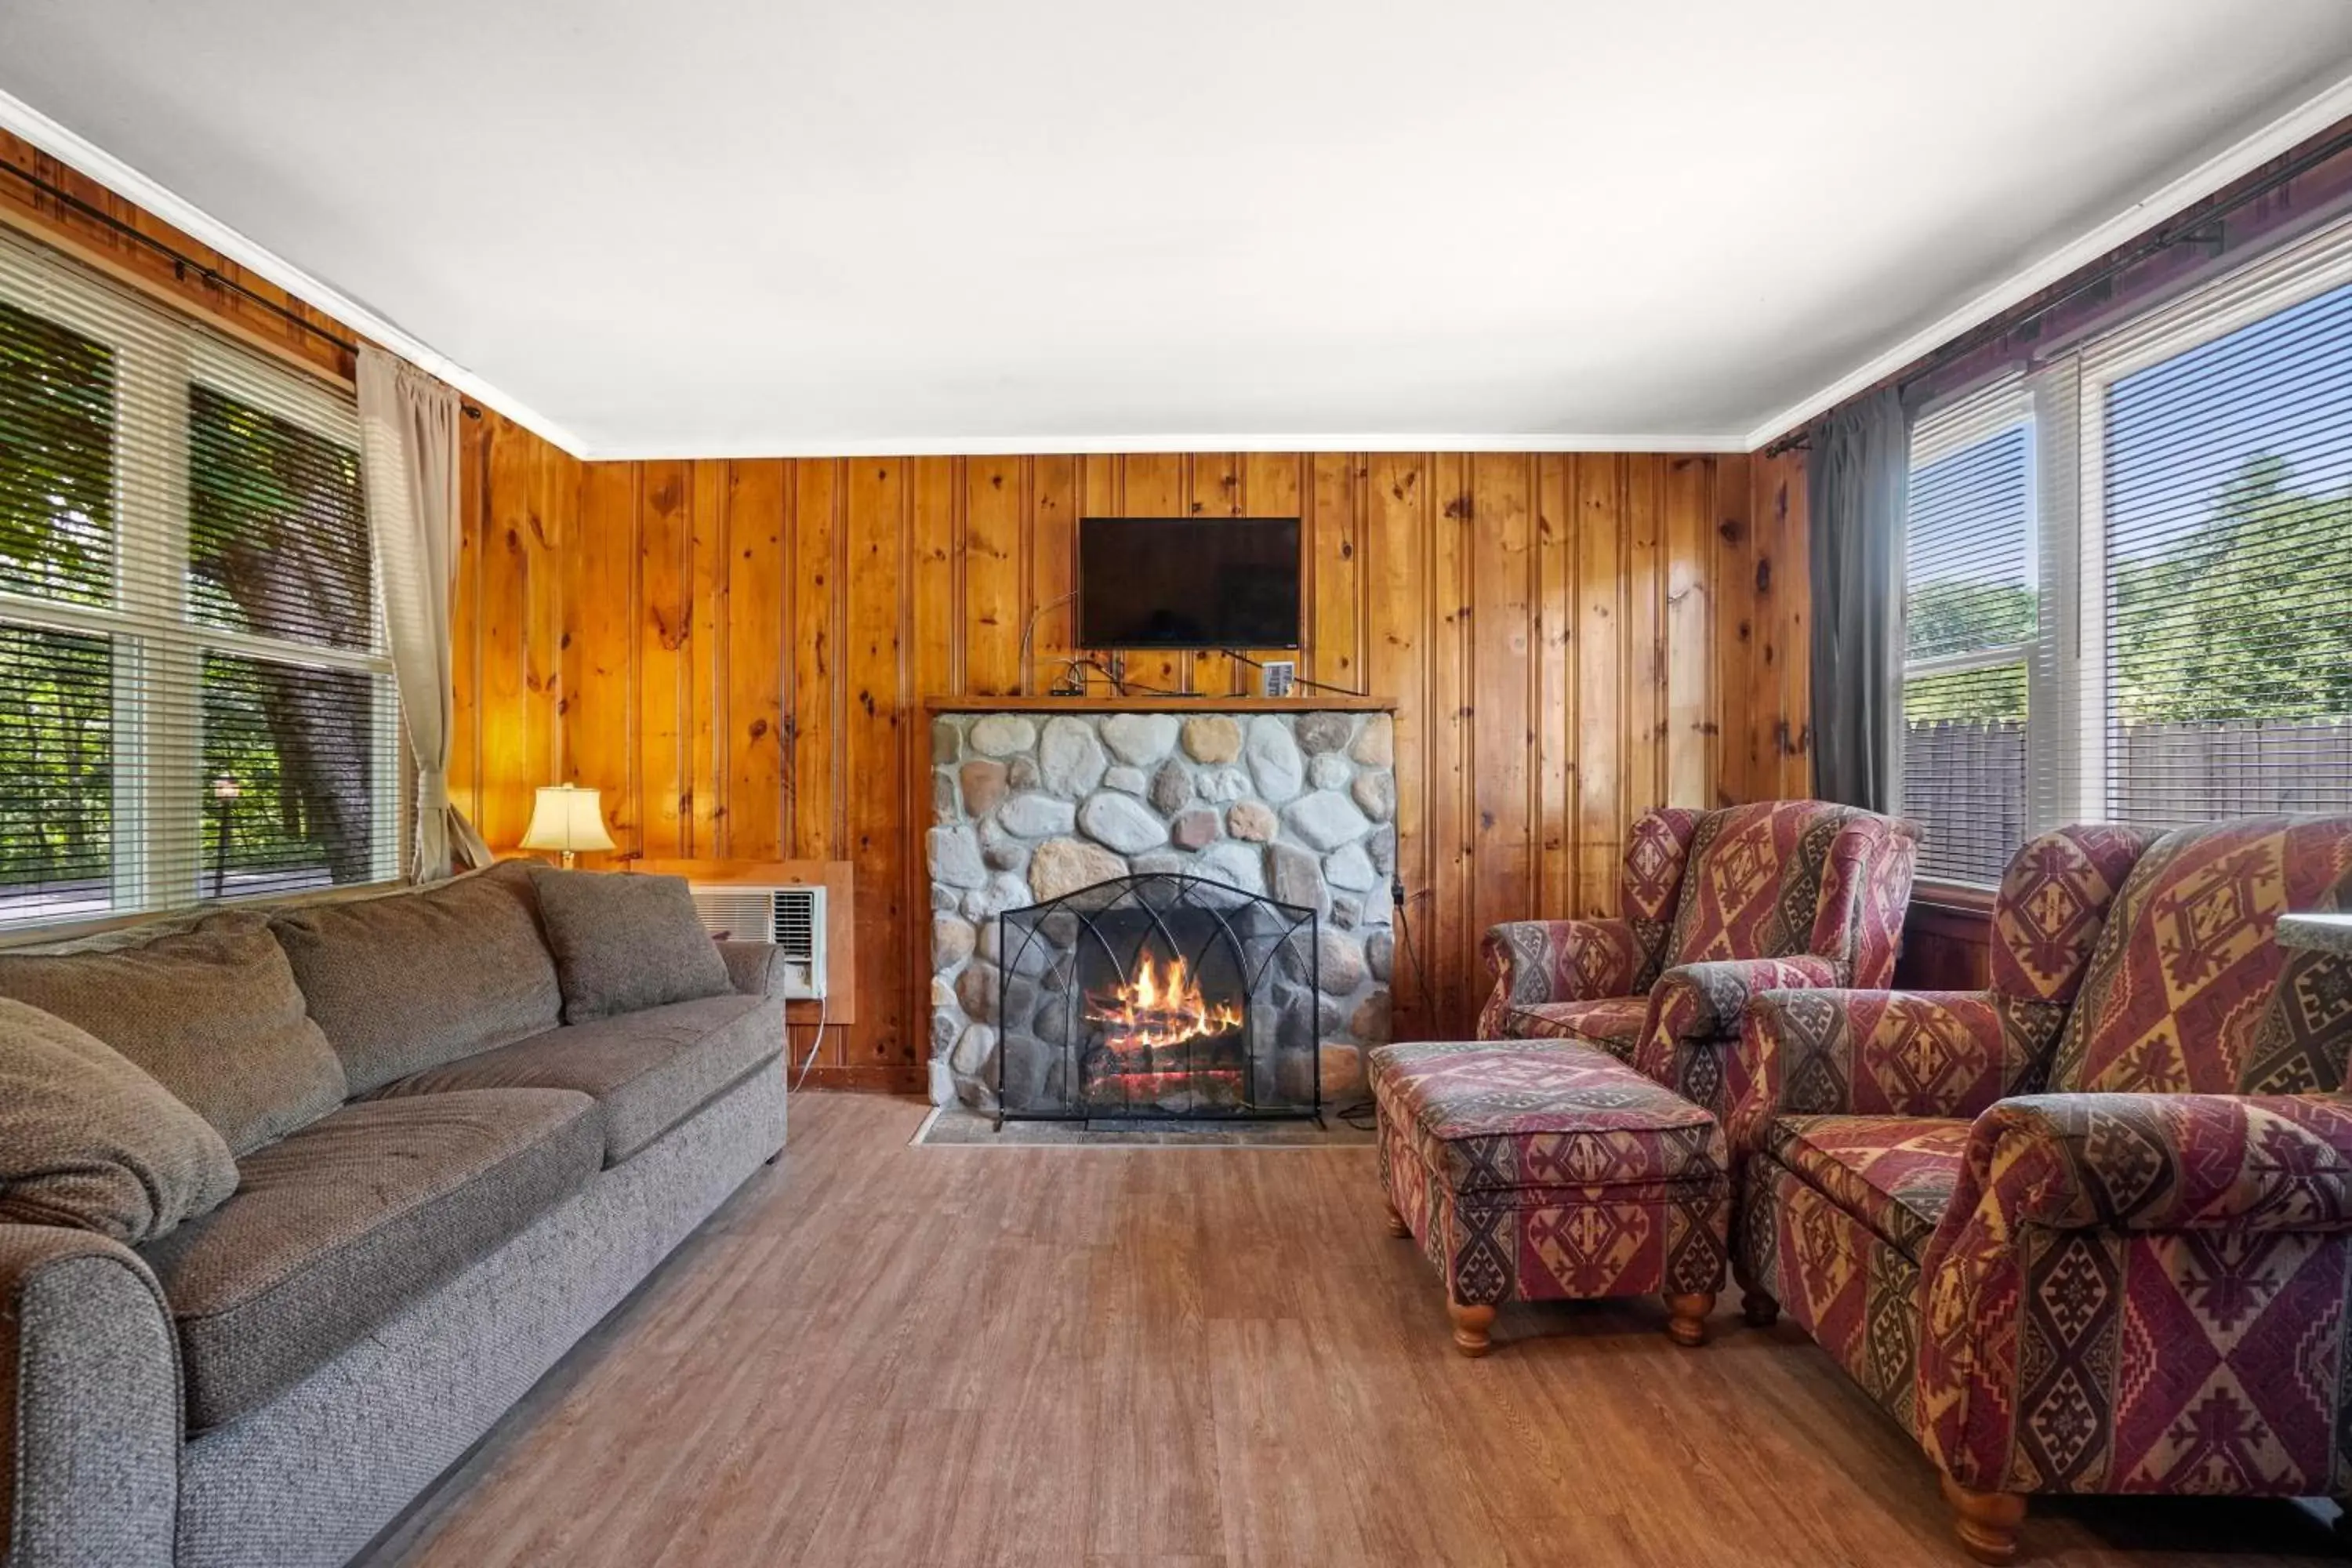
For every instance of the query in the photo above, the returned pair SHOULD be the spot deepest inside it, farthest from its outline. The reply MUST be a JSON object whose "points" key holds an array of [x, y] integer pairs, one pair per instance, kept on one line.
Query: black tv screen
{"points": [[1188, 581]]}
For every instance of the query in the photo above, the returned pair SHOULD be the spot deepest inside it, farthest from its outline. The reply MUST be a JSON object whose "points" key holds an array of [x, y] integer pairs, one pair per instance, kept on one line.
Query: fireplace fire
{"points": [[1158, 997]]}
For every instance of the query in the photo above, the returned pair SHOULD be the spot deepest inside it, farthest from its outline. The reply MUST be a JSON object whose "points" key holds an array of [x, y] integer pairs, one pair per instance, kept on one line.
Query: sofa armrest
{"points": [[1695, 1014], [1556, 961], [91, 1422], [753, 967], [1879, 1053]]}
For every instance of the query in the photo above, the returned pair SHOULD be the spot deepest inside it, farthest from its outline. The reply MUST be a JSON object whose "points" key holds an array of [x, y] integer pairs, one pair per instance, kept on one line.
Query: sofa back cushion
{"points": [[212, 1013], [2053, 902], [415, 979], [1753, 889], [2186, 968], [87, 1139], [1866, 893], [624, 942]]}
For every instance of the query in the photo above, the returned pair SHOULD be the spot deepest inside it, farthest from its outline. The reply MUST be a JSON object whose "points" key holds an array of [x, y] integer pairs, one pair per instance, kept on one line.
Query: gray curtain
{"points": [[1856, 492]]}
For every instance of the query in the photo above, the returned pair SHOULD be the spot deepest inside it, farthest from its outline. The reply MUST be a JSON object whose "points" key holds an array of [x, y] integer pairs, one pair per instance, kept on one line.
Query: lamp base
{"points": [[571, 859]]}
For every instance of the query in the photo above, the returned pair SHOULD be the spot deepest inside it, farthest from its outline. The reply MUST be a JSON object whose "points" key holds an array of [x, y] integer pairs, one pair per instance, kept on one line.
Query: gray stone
{"points": [[955, 858], [1299, 877], [1195, 830], [952, 941], [1347, 910], [1236, 865], [1126, 780], [1051, 1024], [1253, 820], [1296, 956], [1375, 744], [1370, 1021], [1121, 822], [1340, 960], [1293, 1025], [1274, 759], [1063, 866], [989, 941], [1376, 795], [975, 991], [1139, 738], [1160, 863], [1330, 1016], [1022, 773], [943, 1083], [1326, 819], [1036, 816], [1004, 892], [1328, 770], [983, 786], [1069, 758], [975, 1051], [1219, 785], [1001, 849], [1171, 787], [1349, 867], [946, 899], [943, 796], [1323, 731], [946, 1022], [1212, 738], [947, 740], [1003, 734], [1379, 954], [977, 1096], [974, 905], [1381, 846], [943, 993], [1028, 1074]]}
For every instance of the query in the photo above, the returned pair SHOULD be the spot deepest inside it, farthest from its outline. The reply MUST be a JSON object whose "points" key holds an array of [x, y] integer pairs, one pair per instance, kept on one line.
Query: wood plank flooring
{"points": [[883, 1356]]}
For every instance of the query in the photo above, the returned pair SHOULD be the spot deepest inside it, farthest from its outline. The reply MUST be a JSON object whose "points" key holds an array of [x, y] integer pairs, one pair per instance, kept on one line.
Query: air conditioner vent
{"points": [[790, 918]]}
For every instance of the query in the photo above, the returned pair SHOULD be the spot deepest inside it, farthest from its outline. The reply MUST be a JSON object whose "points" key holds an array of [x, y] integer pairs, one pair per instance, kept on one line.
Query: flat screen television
{"points": [[1188, 581]]}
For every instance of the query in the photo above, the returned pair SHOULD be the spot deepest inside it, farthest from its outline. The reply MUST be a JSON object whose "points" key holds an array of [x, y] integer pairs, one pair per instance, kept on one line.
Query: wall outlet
{"points": [[1277, 677]]}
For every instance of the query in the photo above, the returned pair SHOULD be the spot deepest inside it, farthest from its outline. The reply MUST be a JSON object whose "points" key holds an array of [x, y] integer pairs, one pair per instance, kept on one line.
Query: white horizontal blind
{"points": [[1971, 619], [195, 700], [2225, 511]]}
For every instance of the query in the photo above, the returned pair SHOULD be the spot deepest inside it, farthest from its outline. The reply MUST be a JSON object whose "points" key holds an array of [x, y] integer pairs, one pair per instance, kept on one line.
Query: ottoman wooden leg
{"points": [[1686, 1317], [1986, 1522], [1397, 1225], [1471, 1327]]}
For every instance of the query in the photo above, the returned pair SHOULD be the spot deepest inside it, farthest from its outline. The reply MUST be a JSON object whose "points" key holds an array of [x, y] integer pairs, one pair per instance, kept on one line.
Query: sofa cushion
{"points": [[413, 979], [1893, 1174], [350, 1220], [1612, 1023], [648, 1071], [212, 1013], [624, 942], [87, 1139]]}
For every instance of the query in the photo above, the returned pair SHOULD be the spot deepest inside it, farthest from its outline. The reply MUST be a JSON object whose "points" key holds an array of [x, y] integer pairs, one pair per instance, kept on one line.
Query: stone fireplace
{"points": [[1033, 803]]}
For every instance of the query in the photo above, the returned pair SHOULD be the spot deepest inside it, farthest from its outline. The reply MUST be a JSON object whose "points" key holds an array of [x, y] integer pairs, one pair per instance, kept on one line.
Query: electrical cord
{"points": [[816, 1040], [1360, 1114]]}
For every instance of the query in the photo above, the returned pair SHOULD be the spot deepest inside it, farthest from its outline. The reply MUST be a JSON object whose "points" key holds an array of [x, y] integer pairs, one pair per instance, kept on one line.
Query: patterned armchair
{"points": [[1719, 905], [2135, 1282]]}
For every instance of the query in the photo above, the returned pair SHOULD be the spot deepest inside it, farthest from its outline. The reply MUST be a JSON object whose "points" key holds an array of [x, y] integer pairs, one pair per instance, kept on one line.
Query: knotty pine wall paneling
{"points": [[736, 652]]}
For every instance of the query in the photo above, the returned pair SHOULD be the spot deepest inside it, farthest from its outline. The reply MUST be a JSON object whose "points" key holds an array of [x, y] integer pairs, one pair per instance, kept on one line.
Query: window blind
{"points": [[195, 699]]}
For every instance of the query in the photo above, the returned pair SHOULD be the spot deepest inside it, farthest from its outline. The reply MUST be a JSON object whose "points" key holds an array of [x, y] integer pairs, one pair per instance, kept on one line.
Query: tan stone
{"points": [[983, 786], [1375, 744], [1371, 1019], [1063, 866], [1341, 1069], [1212, 738], [1253, 820]]}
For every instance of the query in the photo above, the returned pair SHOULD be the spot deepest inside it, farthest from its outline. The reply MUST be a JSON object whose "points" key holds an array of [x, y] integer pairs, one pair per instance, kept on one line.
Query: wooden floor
{"points": [[1027, 1358]]}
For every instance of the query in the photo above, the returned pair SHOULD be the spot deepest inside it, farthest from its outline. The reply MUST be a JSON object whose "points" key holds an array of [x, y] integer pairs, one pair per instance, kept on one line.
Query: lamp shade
{"points": [[567, 818]]}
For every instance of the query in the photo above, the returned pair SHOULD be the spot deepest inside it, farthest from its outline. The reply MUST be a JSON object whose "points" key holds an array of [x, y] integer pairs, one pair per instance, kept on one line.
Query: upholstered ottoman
{"points": [[1538, 1171]]}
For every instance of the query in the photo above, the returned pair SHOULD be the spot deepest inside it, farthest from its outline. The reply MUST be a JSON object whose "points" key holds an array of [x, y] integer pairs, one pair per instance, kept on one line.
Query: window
{"points": [[2181, 491], [197, 701]]}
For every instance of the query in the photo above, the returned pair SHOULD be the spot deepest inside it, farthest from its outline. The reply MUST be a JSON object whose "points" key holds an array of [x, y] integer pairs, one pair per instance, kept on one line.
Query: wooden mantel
{"points": [[1328, 703]]}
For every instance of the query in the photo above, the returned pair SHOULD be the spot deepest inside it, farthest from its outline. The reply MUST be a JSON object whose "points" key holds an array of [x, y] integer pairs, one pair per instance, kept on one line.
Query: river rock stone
{"points": [[1003, 734], [1328, 770], [1274, 759], [975, 1049], [1195, 830], [944, 796], [943, 1081], [975, 991], [1022, 773], [1375, 744], [1370, 1021], [1161, 863], [1339, 963], [952, 941], [1139, 738], [1347, 910], [1326, 819], [1121, 822], [1212, 738], [1379, 955], [955, 858], [1236, 865], [1001, 849], [983, 786], [1299, 877], [1322, 732], [946, 1022], [1069, 758], [947, 740], [1375, 794], [1125, 780], [1339, 1069], [1063, 866], [1252, 820], [1220, 785], [1004, 892], [1036, 816], [1349, 867], [1171, 787], [1381, 844]]}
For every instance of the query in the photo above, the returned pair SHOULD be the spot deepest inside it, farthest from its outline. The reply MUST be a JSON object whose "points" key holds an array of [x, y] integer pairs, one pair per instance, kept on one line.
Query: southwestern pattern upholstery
{"points": [[1719, 906], [2136, 1283], [1529, 1174]]}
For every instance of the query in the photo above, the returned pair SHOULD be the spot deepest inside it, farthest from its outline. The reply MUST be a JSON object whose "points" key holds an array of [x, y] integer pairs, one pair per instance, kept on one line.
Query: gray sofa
{"points": [[407, 1250]]}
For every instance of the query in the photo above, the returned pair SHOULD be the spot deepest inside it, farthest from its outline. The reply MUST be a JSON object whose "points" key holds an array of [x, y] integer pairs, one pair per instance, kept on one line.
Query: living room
{"points": [[1476, 785]]}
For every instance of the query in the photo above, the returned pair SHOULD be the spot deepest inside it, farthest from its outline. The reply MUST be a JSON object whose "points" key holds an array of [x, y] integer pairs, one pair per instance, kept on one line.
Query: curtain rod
{"points": [[2189, 227]]}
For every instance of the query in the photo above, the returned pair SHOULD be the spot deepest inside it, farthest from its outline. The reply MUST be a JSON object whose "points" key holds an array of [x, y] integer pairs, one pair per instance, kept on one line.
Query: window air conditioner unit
{"points": [[792, 919]]}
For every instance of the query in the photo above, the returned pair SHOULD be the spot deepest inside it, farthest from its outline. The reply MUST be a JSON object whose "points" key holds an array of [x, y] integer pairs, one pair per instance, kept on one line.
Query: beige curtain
{"points": [[408, 455]]}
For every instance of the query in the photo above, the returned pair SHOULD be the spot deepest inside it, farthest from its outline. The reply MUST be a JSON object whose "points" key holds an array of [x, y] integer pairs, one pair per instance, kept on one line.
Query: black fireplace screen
{"points": [[1158, 997]]}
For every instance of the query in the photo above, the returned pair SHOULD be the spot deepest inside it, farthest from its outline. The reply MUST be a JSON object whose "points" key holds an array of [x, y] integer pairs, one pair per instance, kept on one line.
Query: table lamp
{"points": [[567, 818]]}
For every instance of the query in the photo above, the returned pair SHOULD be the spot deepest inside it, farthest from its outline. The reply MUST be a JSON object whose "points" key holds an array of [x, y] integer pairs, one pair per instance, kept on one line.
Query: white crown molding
{"points": [[2299, 124], [22, 120], [1018, 445]]}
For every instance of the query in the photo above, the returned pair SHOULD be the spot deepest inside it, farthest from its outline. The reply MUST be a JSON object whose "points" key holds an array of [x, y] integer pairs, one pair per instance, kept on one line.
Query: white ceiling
{"points": [[725, 226]]}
